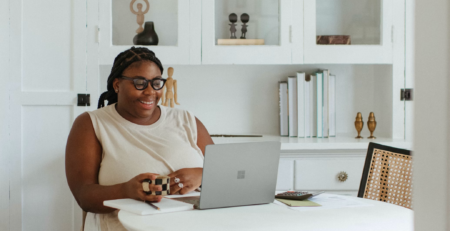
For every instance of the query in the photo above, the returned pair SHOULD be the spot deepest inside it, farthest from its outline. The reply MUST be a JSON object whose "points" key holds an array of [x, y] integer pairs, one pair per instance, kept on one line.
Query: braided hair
{"points": [[121, 62]]}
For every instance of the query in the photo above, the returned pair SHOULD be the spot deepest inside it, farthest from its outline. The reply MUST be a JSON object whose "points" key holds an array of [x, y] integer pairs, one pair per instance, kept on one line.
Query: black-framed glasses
{"points": [[140, 83]]}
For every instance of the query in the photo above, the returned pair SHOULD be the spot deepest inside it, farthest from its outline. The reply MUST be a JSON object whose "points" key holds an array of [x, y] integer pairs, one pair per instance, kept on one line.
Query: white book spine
{"points": [[307, 109], [301, 104], [283, 109], [313, 102], [332, 105], [325, 103], [319, 105], [293, 107]]}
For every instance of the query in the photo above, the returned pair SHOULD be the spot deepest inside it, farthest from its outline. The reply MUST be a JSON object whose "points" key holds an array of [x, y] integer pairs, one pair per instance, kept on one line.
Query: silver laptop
{"points": [[238, 174]]}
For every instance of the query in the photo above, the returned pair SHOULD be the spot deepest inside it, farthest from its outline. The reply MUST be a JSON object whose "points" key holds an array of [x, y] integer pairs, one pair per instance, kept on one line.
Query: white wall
{"points": [[243, 99], [431, 140], [4, 108]]}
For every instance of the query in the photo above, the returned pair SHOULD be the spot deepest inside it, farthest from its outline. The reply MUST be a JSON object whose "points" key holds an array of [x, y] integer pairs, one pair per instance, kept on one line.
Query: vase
{"points": [[148, 36]]}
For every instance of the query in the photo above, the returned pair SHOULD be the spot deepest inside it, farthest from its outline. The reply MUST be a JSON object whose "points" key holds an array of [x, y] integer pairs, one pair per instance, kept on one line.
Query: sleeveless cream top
{"points": [[130, 149]]}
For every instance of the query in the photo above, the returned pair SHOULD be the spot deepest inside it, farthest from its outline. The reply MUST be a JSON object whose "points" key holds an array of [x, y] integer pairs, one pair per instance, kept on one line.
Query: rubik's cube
{"points": [[164, 181]]}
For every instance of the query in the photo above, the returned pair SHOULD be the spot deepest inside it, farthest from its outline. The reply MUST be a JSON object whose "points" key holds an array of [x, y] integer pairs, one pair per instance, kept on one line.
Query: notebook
{"points": [[166, 205]]}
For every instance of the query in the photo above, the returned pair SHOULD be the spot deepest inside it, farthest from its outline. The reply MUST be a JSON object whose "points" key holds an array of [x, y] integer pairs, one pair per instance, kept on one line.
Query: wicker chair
{"points": [[387, 175]]}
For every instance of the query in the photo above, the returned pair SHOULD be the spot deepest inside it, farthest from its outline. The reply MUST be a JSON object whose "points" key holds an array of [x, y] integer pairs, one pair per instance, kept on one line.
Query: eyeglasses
{"points": [[141, 83]]}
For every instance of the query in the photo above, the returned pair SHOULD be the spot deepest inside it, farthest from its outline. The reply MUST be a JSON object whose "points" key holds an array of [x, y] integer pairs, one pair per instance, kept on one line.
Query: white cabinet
{"points": [[269, 20], [369, 23], [189, 30], [290, 33], [322, 173], [319, 170], [178, 29], [285, 180]]}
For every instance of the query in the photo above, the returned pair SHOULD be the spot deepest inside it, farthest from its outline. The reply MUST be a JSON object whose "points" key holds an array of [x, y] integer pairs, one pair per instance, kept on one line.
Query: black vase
{"points": [[147, 37]]}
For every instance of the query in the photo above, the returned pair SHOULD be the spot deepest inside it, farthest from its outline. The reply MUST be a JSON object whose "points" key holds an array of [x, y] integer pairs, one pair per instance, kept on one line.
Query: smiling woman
{"points": [[112, 150]]}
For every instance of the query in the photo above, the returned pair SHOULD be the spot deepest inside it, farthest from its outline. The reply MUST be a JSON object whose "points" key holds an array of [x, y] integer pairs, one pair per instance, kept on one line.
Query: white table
{"points": [[380, 216]]}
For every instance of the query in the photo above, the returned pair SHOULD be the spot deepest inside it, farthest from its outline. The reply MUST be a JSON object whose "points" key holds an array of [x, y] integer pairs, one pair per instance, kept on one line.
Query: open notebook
{"points": [[166, 205]]}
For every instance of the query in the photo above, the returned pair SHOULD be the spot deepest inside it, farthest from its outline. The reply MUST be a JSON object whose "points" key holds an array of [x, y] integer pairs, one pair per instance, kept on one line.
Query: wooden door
{"points": [[48, 69]]}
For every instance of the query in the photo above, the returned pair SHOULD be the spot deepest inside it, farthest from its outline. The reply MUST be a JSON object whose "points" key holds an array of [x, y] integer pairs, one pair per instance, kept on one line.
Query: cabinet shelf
{"points": [[342, 142]]}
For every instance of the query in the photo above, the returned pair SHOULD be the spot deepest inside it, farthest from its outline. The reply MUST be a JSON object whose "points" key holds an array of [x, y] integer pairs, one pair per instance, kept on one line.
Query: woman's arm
{"points": [[191, 177], [203, 137], [83, 158]]}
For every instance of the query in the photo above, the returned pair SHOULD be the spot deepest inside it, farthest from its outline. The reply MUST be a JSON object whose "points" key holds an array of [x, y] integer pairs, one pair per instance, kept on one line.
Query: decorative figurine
{"points": [[371, 124], [170, 95], [147, 37], [359, 125], [244, 19], [233, 19], [139, 13]]}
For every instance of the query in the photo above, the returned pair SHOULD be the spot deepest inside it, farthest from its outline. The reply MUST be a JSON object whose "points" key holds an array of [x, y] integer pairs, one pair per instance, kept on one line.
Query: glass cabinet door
{"points": [[123, 24], [246, 32], [348, 31]]}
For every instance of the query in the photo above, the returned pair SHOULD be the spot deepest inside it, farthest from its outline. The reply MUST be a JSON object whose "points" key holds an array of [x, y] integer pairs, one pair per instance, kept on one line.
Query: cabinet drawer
{"points": [[322, 173], [285, 179]]}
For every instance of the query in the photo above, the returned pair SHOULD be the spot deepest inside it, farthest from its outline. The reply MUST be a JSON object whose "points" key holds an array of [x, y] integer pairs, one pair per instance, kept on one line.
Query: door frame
{"points": [[432, 111], [4, 115]]}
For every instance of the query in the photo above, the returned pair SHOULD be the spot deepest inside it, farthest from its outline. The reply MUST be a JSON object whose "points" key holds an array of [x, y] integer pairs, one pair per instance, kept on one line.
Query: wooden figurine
{"points": [[359, 125], [139, 13], [170, 95], [371, 124]]}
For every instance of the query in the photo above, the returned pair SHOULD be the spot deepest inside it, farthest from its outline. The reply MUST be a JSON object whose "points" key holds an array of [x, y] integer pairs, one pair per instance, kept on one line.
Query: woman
{"points": [[110, 151]]}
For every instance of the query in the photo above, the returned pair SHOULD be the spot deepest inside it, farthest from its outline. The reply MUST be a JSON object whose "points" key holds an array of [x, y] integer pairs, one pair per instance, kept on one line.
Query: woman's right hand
{"points": [[133, 188]]}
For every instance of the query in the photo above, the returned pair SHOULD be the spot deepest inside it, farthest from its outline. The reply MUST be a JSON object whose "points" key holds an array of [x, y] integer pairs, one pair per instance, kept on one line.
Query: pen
{"points": [[154, 206]]}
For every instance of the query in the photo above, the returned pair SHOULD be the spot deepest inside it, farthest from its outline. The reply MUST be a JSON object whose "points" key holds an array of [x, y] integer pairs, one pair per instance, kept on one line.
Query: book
{"points": [[333, 39], [307, 106], [292, 105], [332, 105], [301, 104], [313, 105], [283, 97], [319, 102], [166, 205], [325, 105]]}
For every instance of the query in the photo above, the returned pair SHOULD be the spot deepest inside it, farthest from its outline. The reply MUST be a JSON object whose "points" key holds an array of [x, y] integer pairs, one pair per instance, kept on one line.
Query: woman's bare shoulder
{"points": [[82, 126], [83, 120]]}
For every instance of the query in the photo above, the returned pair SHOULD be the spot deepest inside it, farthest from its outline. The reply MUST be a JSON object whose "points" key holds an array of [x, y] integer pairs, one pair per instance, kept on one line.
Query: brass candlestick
{"points": [[359, 125], [371, 124]]}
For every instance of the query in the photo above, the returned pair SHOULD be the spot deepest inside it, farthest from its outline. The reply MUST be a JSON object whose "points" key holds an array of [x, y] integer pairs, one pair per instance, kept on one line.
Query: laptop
{"points": [[238, 174]]}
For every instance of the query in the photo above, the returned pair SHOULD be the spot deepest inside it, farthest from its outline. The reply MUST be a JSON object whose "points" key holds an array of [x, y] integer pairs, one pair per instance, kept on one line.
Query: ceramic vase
{"points": [[148, 36]]}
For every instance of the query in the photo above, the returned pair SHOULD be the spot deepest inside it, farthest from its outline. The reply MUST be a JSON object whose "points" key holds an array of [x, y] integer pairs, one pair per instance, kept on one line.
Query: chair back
{"points": [[387, 175]]}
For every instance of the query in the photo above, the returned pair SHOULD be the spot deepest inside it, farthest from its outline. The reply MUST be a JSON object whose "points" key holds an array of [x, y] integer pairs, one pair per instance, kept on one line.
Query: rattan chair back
{"points": [[387, 175]]}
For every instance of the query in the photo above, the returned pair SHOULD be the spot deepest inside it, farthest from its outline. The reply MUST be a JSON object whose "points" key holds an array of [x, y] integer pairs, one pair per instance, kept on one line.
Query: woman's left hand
{"points": [[191, 178]]}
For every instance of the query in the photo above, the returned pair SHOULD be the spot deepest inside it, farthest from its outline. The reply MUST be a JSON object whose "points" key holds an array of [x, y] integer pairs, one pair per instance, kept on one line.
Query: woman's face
{"points": [[138, 106]]}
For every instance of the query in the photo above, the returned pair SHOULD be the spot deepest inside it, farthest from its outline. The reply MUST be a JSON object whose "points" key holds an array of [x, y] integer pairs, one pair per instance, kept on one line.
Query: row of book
{"points": [[308, 105]]}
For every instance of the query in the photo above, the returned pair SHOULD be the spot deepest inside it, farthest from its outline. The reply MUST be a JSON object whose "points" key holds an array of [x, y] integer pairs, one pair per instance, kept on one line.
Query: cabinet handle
{"points": [[342, 176]]}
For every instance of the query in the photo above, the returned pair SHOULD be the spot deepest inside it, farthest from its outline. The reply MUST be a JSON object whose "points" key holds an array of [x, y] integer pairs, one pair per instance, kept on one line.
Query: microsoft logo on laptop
{"points": [[241, 174]]}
